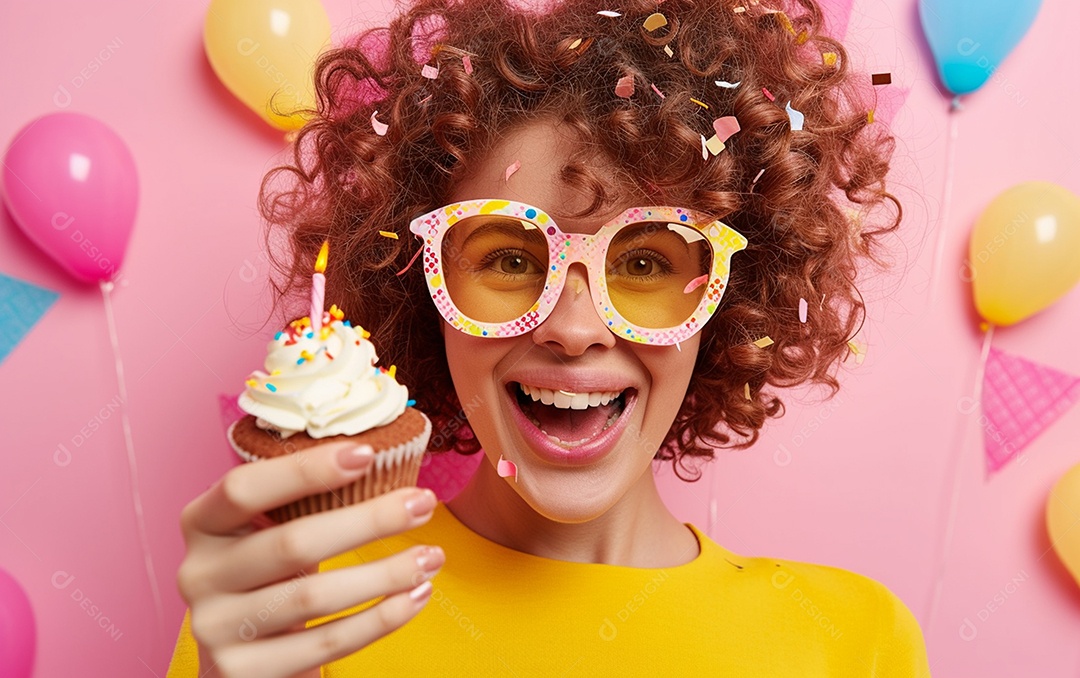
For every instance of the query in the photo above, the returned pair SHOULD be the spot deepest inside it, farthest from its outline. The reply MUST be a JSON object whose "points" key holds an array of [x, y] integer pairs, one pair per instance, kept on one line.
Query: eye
{"points": [[640, 266], [514, 263], [511, 262], [640, 263]]}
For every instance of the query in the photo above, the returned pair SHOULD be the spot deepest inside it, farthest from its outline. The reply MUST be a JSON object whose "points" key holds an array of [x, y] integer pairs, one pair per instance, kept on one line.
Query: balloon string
{"points": [[946, 204], [106, 294], [952, 485]]}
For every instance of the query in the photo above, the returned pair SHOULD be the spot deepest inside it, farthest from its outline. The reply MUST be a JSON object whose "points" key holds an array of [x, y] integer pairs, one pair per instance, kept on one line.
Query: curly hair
{"points": [[805, 197]]}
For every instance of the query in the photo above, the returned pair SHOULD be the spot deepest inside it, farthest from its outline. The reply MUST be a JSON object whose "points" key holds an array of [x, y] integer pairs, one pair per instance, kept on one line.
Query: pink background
{"points": [[860, 482]]}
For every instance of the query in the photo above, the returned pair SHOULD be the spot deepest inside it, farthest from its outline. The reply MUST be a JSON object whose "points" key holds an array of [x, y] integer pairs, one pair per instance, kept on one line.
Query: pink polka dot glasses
{"points": [[496, 268]]}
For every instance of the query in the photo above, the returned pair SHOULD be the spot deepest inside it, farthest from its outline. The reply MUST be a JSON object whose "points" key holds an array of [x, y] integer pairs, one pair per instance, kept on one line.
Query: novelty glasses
{"points": [[496, 268]]}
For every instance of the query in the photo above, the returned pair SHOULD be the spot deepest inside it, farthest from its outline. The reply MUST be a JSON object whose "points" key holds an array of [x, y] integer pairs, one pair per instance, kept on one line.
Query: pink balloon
{"points": [[18, 636], [71, 185]]}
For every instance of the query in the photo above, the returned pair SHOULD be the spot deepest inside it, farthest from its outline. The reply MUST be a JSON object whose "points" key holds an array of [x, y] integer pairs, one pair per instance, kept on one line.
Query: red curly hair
{"points": [[804, 198]]}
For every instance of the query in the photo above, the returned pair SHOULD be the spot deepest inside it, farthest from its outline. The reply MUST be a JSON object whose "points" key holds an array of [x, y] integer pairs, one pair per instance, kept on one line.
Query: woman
{"points": [[583, 122]]}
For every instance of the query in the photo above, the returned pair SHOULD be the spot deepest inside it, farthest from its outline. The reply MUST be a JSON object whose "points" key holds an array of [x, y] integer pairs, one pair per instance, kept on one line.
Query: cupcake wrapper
{"points": [[394, 467]]}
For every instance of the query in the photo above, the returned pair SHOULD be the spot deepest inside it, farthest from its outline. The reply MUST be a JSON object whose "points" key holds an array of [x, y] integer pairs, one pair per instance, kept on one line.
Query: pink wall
{"points": [[860, 482]]}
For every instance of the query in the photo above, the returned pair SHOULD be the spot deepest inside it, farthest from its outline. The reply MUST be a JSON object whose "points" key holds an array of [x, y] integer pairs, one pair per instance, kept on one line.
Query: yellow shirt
{"points": [[499, 612]]}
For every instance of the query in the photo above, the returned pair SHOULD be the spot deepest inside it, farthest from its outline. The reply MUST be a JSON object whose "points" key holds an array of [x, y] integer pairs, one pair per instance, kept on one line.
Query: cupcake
{"points": [[323, 385]]}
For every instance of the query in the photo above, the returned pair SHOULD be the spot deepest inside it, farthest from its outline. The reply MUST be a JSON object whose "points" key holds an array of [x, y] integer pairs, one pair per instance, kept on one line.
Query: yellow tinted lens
{"points": [[495, 266], [657, 272]]}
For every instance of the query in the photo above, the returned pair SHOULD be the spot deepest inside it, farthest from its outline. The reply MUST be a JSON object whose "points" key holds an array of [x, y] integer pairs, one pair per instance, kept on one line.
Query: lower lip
{"points": [[579, 455]]}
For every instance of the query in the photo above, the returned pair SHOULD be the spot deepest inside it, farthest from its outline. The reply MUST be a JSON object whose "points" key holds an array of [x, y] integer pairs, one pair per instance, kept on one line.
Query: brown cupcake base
{"points": [[397, 464]]}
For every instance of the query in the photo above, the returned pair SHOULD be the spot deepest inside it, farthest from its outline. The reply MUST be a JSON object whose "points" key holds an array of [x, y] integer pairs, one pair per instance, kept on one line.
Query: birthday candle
{"points": [[318, 287]]}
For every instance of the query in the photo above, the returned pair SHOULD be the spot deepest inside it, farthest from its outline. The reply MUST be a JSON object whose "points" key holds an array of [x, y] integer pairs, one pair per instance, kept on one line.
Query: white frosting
{"points": [[325, 396]]}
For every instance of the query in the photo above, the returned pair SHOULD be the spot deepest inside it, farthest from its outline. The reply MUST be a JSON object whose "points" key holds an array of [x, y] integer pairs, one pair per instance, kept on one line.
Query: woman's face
{"points": [[607, 448]]}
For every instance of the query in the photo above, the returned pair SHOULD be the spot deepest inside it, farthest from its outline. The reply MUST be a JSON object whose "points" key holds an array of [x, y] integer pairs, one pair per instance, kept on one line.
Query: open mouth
{"points": [[567, 418]]}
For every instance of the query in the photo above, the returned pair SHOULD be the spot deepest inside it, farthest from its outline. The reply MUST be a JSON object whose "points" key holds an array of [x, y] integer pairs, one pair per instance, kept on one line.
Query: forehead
{"points": [[542, 148]]}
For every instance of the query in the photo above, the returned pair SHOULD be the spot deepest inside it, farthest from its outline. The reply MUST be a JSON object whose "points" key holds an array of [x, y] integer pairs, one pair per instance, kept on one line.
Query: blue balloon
{"points": [[970, 38]]}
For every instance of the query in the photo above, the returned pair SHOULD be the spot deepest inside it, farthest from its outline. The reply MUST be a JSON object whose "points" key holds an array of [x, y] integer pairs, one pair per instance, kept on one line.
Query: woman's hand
{"points": [[251, 584]]}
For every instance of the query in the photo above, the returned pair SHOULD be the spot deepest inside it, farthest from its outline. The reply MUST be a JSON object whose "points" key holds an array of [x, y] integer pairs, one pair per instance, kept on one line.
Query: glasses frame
{"points": [[565, 249]]}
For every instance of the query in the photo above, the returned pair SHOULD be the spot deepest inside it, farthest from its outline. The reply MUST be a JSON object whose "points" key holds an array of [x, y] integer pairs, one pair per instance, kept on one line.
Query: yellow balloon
{"points": [[263, 49], [1063, 520], [1025, 251]]}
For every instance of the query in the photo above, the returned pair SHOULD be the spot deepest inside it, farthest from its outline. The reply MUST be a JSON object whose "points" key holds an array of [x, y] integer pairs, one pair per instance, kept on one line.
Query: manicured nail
{"points": [[421, 592], [431, 558], [353, 458], [421, 503]]}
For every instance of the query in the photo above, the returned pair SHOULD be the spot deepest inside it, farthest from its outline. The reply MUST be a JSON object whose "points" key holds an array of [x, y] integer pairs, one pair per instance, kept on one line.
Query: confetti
{"points": [[411, 262], [388, 234], [785, 22], [802, 310], [608, 13], [658, 92], [881, 78], [870, 117], [704, 148], [746, 391], [695, 283], [828, 58], [506, 468], [667, 51], [857, 350], [625, 87], [575, 44], [714, 145], [678, 345], [760, 172], [410, 402], [801, 38], [727, 85], [764, 341], [467, 63], [270, 387], [514, 167], [654, 21], [429, 72], [700, 103], [252, 382], [739, 10], [379, 127], [796, 117], [768, 94], [726, 126], [392, 371]]}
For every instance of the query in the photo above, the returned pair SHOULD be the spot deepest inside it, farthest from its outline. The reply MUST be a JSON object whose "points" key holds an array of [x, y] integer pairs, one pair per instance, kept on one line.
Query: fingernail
{"points": [[421, 504], [352, 458], [431, 558], [421, 592]]}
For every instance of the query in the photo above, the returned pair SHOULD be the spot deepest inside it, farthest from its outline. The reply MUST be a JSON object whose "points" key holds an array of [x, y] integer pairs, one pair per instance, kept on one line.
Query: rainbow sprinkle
{"points": [[270, 387], [410, 402]]}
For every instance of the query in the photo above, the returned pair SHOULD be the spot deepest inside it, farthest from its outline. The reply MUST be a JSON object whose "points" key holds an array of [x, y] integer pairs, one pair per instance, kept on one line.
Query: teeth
{"points": [[568, 400]]}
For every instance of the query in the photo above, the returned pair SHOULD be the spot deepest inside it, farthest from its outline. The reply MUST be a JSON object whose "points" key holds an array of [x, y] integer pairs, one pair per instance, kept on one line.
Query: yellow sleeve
{"points": [[185, 659], [901, 650]]}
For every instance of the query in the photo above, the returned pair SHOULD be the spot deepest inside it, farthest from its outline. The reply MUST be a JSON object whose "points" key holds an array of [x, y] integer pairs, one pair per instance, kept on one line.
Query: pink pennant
{"points": [[1021, 399], [506, 469]]}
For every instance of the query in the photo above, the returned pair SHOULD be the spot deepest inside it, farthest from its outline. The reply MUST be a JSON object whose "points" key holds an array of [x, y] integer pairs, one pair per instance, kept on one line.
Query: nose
{"points": [[574, 326]]}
